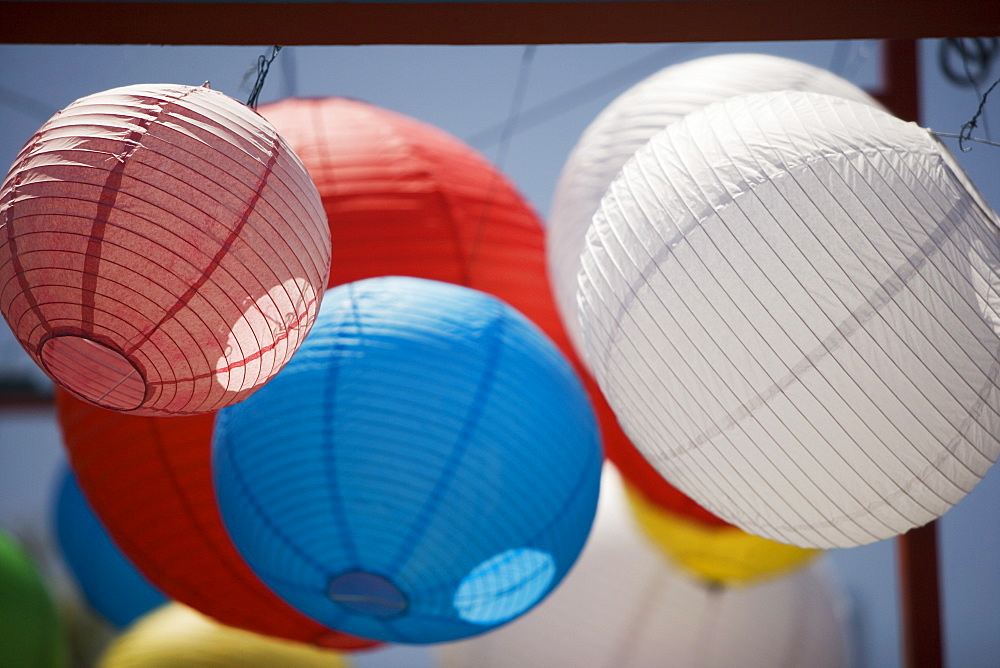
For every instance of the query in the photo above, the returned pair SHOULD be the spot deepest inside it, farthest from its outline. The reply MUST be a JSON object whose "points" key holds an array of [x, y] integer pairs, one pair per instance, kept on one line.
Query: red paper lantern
{"points": [[150, 482], [162, 250], [406, 198]]}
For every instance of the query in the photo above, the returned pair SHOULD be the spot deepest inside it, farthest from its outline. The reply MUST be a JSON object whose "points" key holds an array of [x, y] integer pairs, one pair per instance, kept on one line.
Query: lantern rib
{"points": [[239, 573], [838, 328], [653, 413], [303, 556], [11, 243], [736, 203], [793, 461], [495, 330], [464, 259], [105, 207], [329, 437], [681, 159], [216, 260], [587, 274], [904, 281]]}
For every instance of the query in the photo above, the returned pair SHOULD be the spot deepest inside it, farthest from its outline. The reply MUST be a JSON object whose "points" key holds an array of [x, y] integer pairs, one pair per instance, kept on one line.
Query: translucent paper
{"points": [[162, 250], [425, 468], [149, 480], [632, 118], [790, 301], [610, 140]]}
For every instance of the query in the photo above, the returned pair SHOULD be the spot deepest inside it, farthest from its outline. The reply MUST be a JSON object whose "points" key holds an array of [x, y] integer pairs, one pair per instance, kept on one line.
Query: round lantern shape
{"points": [[723, 555], [608, 142], [149, 481], [791, 300], [108, 581], [632, 119], [174, 636], [425, 468], [30, 632], [624, 606], [162, 250], [404, 198]]}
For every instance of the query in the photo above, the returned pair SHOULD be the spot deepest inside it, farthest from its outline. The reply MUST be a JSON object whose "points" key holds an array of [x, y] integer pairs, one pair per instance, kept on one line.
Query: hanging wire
{"points": [[263, 66], [966, 132], [961, 138], [517, 100], [976, 57], [583, 94], [527, 57]]}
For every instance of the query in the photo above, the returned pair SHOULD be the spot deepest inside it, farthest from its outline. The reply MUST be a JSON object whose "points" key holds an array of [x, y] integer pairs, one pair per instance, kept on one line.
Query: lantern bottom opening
{"points": [[368, 594], [93, 371]]}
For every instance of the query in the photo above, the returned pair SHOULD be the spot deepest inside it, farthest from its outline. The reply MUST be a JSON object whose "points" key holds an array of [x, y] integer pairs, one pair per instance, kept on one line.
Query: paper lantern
{"points": [[632, 118], [790, 301], [162, 250], [30, 632], [425, 468], [721, 555], [407, 199], [109, 582], [608, 142], [175, 635], [624, 606], [149, 480]]}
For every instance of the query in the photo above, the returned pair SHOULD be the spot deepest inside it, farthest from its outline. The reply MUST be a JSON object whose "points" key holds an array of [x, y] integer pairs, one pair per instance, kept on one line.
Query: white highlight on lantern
{"points": [[632, 119], [790, 301]]}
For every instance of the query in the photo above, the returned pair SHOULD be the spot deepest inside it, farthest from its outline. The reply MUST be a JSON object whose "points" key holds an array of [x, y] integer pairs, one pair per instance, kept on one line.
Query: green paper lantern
{"points": [[30, 631]]}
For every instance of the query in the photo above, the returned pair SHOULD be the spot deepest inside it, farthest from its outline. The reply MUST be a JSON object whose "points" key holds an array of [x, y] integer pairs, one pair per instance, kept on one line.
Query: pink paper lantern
{"points": [[162, 249]]}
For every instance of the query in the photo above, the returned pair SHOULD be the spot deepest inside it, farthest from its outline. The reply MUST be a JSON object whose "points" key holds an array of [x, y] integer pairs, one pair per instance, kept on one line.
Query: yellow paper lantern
{"points": [[174, 635], [721, 554]]}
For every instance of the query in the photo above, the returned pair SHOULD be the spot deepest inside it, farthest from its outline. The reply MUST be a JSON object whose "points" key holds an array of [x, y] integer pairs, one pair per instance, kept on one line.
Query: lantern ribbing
{"points": [[161, 249], [790, 300]]}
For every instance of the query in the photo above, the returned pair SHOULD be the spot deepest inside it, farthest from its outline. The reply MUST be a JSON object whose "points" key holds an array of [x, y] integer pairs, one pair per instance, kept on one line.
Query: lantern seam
{"points": [[632, 295]]}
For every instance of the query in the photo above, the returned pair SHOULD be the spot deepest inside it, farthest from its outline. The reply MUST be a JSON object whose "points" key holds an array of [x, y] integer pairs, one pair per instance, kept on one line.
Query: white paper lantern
{"points": [[624, 606], [791, 302], [635, 116]]}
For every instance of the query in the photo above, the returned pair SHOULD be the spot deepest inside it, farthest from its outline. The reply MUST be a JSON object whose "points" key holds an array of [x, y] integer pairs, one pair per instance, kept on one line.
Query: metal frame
{"points": [[488, 22]]}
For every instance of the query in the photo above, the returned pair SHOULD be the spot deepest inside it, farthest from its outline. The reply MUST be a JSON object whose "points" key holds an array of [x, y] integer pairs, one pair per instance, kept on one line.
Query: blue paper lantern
{"points": [[109, 582], [424, 469]]}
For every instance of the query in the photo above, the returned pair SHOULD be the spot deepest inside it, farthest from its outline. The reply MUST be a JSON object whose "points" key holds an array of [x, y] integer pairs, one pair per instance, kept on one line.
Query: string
{"points": [[960, 137], [527, 56], [585, 93], [263, 66], [972, 123], [977, 56], [515, 105]]}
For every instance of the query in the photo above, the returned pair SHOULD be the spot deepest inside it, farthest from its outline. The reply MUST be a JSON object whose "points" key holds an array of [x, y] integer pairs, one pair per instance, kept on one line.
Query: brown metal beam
{"points": [[919, 579], [489, 22], [920, 602]]}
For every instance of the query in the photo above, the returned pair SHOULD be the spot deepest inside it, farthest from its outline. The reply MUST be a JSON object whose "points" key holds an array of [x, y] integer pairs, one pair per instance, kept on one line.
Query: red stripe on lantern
{"points": [[151, 236]]}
